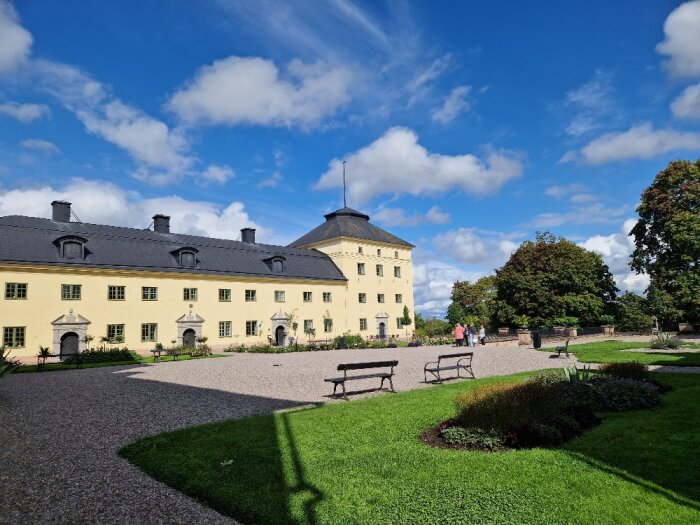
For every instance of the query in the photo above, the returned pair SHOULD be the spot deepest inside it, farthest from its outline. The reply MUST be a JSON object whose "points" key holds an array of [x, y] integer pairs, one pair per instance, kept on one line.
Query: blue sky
{"points": [[466, 127]]}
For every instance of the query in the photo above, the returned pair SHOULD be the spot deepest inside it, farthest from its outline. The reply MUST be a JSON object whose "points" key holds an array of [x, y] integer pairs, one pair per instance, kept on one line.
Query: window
{"points": [[187, 259], [278, 266], [326, 297], [399, 323], [359, 249], [251, 327], [396, 254], [380, 270], [116, 293], [250, 296], [115, 333], [72, 250], [15, 290], [13, 337], [149, 332], [279, 296], [379, 252], [308, 325], [397, 271], [360, 268], [380, 297], [189, 294], [362, 297], [307, 297], [149, 293], [70, 292], [328, 325], [363, 324], [225, 328], [225, 295], [399, 298]]}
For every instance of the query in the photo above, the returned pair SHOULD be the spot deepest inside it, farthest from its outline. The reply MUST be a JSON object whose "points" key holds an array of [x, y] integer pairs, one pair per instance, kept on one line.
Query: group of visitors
{"points": [[468, 335]]}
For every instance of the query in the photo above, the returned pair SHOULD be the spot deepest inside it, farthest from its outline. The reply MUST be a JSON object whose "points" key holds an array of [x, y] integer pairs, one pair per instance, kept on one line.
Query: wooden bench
{"points": [[464, 362], [560, 349], [363, 366]]}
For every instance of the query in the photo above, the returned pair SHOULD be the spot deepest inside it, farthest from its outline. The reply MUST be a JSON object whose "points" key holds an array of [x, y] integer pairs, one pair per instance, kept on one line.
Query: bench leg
{"points": [[345, 395], [391, 383], [335, 386]]}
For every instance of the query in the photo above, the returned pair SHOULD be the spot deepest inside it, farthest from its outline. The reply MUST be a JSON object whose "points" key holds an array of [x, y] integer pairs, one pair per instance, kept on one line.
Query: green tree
{"points": [[667, 242], [553, 277], [632, 313], [420, 321], [478, 299], [406, 319], [455, 313]]}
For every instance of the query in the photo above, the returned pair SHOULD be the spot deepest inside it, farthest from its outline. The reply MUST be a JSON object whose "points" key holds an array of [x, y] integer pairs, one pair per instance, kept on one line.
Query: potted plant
{"points": [[607, 324], [686, 327], [503, 331]]}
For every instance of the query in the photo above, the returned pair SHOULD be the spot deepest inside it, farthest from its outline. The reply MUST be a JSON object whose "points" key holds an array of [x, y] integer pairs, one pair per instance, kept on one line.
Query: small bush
{"points": [[472, 438], [377, 344], [350, 341], [637, 371], [501, 405], [102, 356], [610, 394], [528, 435], [664, 342]]}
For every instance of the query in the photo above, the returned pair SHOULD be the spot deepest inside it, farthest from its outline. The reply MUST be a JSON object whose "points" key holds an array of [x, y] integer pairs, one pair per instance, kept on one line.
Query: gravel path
{"points": [[60, 431]]}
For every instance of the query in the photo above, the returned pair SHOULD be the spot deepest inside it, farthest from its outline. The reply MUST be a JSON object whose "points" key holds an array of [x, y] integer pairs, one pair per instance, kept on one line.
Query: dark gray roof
{"points": [[32, 240], [347, 222]]}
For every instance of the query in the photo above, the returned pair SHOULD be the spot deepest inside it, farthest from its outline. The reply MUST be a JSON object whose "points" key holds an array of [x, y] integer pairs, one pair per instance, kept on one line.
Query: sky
{"points": [[465, 127]]}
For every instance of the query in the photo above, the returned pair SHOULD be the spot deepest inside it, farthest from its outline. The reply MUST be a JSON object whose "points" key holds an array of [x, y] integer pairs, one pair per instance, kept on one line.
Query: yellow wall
{"points": [[44, 303]]}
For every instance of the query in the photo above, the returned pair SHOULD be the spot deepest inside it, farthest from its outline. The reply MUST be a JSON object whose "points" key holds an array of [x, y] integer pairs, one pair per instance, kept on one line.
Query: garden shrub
{"points": [[102, 356], [664, 342], [350, 341], [501, 405], [613, 394], [472, 437], [529, 434], [637, 371]]}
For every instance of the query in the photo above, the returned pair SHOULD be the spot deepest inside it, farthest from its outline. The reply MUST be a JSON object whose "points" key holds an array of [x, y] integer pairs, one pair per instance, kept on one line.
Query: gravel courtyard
{"points": [[61, 431]]}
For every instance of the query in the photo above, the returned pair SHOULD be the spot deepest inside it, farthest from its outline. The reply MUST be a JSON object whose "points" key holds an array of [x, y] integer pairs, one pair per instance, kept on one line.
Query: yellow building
{"points": [[66, 280]]}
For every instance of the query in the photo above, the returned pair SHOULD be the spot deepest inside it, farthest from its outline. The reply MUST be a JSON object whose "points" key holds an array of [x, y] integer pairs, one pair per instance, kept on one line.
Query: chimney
{"points": [[161, 223], [248, 235], [61, 211]]}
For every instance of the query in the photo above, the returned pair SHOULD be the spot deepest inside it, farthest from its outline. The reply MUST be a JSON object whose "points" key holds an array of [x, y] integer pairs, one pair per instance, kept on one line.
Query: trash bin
{"points": [[341, 342], [536, 339]]}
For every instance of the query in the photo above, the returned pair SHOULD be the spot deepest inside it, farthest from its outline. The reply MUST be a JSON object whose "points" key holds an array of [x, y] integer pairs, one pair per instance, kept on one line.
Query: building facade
{"points": [[64, 281]]}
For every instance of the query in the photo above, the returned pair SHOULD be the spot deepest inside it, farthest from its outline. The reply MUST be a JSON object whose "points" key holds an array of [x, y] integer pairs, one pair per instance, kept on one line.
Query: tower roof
{"points": [[347, 222]]}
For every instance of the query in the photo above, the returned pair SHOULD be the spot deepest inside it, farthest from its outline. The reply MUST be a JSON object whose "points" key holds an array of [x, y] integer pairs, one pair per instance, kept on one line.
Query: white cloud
{"points": [[596, 213], [687, 104], [432, 286], [217, 174], [398, 217], [240, 90], [272, 181], [454, 104], [592, 102], [564, 190], [46, 147], [615, 250], [101, 202], [470, 246], [160, 152], [639, 142], [583, 197], [15, 41], [682, 40], [396, 164], [24, 112]]}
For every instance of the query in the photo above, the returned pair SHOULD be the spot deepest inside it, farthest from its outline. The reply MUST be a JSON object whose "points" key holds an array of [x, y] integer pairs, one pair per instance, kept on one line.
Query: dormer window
{"points": [[186, 257], [72, 248], [276, 264]]}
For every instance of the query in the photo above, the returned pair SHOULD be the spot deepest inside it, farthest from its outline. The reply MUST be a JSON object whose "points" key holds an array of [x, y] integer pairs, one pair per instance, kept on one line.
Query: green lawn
{"points": [[53, 367], [611, 352], [362, 463]]}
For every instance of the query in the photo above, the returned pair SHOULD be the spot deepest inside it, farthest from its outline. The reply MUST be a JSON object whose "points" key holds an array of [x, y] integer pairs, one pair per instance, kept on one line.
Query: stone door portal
{"points": [[189, 338], [69, 345]]}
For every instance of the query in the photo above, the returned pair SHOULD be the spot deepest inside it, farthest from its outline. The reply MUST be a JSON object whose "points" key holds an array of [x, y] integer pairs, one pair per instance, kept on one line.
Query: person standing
{"points": [[482, 334], [459, 334]]}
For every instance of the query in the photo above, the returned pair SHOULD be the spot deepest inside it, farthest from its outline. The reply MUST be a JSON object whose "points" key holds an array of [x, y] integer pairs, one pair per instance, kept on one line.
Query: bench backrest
{"points": [[452, 356], [361, 366]]}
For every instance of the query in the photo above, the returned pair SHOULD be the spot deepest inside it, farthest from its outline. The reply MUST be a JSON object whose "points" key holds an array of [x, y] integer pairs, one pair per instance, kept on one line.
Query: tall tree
{"points": [[667, 240], [553, 277], [477, 299]]}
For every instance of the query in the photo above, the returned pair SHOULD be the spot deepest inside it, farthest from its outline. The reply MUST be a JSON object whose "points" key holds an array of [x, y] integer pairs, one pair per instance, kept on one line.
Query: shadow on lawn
{"points": [[250, 470]]}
